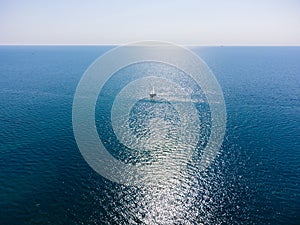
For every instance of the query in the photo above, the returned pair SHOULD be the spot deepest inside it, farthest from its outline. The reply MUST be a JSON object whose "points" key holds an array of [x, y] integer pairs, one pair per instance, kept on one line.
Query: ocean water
{"points": [[254, 180]]}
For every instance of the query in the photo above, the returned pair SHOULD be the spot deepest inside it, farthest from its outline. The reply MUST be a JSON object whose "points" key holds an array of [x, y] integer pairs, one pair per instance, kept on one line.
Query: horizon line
{"points": [[187, 45]]}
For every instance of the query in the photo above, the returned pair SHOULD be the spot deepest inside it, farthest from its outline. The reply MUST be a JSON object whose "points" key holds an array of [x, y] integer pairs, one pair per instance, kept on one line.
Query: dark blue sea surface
{"points": [[254, 180]]}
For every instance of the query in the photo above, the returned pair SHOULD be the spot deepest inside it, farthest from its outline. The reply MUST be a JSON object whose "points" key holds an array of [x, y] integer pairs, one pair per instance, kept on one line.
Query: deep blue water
{"points": [[45, 180]]}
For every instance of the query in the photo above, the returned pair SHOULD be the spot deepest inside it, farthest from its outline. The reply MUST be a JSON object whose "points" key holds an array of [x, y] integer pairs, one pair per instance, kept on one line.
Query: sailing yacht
{"points": [[152, 93]]}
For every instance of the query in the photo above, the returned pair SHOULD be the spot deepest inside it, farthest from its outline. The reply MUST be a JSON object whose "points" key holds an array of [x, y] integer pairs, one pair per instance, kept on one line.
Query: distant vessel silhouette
{"points": [[152, 93]]}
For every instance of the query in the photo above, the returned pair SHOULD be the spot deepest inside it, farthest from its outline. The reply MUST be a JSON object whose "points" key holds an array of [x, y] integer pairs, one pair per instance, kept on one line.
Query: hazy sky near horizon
{"points": [[191, 22]]}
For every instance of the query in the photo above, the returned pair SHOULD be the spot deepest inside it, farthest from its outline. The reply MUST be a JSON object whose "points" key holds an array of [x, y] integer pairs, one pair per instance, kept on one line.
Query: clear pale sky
{"points": [[190, 22]]}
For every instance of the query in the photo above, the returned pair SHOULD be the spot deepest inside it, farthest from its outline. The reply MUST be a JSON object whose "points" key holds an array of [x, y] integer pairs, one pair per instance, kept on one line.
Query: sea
{"points": [[254, 179]]}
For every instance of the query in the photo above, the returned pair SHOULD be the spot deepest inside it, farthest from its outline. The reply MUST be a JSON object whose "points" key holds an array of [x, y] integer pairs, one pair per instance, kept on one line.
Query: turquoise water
{"points": [[255, 179]]}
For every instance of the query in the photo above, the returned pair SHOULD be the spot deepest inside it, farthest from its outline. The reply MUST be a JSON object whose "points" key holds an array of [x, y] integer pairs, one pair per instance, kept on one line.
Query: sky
{"points": [[189, 22]]}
